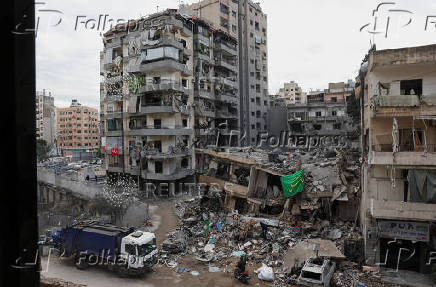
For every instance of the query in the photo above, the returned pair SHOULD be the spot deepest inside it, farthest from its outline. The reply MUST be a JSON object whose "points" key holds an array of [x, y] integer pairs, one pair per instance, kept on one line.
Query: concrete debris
{"points": [[55, 282], [316, 229]]}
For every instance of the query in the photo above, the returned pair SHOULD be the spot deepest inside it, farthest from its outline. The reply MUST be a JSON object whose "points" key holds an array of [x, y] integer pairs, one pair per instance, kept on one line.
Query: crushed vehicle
{"points": [[123, 250], [317, 272], [175, 243]]}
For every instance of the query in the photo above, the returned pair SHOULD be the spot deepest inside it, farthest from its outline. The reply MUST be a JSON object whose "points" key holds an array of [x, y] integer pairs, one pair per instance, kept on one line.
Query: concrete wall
{"points": [[79, 188], [277, 120]]}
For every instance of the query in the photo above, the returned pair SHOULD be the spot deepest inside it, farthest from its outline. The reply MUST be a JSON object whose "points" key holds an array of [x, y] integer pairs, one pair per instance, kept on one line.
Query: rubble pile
{"points": [[55, 282], [218, 239]]}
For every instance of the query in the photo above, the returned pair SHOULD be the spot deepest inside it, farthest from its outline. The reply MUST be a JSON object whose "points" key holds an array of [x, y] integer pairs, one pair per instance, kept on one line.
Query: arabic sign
{"points": [[414, 231]]}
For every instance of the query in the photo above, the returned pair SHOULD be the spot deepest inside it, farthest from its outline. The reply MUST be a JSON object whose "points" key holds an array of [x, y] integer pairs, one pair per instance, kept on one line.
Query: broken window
{"points": [[337, 126], [334, 113], [317, 127], [318, 114], [158, 167], [185, 163], [411, 87]]}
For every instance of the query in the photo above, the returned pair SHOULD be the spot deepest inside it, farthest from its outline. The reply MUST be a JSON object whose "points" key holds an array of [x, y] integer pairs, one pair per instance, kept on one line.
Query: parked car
{"points": [[317, 272]]}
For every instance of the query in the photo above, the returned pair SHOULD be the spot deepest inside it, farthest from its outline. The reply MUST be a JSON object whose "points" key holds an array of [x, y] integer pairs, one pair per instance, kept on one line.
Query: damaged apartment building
{"points": [[398, 205], [324, 113], [169, 84], [248, 181], [247, 185], [245, 21]]}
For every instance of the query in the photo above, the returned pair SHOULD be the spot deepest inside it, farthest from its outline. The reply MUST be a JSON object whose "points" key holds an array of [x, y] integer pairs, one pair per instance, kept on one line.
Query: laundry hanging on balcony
{"points": [[293, 184]]}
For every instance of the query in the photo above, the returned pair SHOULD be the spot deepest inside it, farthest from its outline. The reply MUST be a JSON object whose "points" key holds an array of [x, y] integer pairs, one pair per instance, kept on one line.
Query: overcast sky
{"points": [[313, 42]]}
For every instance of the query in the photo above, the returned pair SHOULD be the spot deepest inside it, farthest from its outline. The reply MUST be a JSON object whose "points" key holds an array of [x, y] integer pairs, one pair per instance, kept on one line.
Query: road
{"points": [[164, 220]]}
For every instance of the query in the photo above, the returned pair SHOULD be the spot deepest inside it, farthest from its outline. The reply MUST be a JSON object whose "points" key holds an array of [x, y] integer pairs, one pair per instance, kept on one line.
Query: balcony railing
{"points": [[164, 85], [403, 148]]}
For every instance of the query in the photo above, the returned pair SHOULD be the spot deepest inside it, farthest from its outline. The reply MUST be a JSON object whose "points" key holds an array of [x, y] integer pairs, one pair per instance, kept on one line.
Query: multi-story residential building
{"points": [[147, 101], [77, 130], [45, 117], [253, 70], [292, 94], [245, 21], [324, 113], [338, 92], [398, 204], [216, 85]]}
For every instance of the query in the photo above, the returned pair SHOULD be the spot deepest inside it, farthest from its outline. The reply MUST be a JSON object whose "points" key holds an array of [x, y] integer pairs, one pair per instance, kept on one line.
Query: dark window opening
{"points": [[317, 127], [157, 123], [158, 167], [411, 87], [185, 163]]}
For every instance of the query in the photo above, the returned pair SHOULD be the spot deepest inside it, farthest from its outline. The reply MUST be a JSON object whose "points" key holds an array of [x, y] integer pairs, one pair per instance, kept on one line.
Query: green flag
{"points": [[293, 183]]}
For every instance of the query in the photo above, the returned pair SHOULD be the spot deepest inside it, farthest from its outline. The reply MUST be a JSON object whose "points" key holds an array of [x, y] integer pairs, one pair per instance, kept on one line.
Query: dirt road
{"points": [[164, 220]]}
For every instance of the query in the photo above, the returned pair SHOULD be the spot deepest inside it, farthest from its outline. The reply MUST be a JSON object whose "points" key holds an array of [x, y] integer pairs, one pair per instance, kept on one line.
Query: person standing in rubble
{"points": [[264, 230], [241, 264]]}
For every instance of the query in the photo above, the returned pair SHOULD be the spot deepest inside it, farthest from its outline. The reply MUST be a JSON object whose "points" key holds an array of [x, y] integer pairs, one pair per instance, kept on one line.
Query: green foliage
{"points": [[42, 150], [135, 83]]}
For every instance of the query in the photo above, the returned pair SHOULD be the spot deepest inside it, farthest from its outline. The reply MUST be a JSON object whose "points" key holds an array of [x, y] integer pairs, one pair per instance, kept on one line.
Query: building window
{"points": [[411, 87], [185, 163], [224, 9], [337, 126], [333, 99], [334, 113], [157, 123], [318, 114], [158, 167], [185, 123], [317, 127]]}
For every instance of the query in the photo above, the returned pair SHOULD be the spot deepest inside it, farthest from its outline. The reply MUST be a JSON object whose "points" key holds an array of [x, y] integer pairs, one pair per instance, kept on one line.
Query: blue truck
{"points": [[123, 250]]}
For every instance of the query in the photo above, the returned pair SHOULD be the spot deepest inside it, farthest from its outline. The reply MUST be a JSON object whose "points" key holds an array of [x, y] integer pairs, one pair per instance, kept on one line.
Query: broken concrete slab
{"points": [[298, 254]]}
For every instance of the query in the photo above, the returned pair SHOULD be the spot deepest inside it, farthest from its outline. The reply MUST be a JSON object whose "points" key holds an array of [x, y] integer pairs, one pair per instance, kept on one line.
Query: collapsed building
{"points": [[250, 181], [398, 207]]}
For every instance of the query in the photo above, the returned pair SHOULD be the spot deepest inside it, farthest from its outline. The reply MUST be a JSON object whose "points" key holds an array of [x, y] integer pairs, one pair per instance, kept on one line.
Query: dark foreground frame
{"points": [[18, 209]]}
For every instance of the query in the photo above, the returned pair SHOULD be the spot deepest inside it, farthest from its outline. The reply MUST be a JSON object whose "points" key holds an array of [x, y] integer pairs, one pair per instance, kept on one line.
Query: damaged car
{"points": [[316, 272]]}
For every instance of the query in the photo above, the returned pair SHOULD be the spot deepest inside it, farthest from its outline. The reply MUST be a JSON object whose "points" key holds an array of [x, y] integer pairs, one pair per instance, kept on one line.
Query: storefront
{"points": [[406, 245]]}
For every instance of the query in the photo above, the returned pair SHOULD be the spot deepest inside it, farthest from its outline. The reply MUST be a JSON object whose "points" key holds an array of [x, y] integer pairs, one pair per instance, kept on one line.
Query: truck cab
{"points": [[139, 250]]}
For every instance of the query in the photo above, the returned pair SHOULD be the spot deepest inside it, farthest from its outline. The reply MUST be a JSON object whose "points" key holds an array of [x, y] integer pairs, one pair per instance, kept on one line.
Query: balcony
{"points": [[225, 64], [398, 210], [164, 65], [233, 51], [163, 42], [227, 81], [206, 94], [176, 175], [403, 105], [228, 98], [174, 153], [407, 155], [159, 131], [113, 115], [227, 115], [206, 112], [204, 57], [164, 85]]}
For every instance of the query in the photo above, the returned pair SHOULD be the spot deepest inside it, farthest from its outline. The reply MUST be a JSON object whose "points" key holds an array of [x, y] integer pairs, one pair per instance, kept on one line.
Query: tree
{"points": [[117, 196], [42, 150]]}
